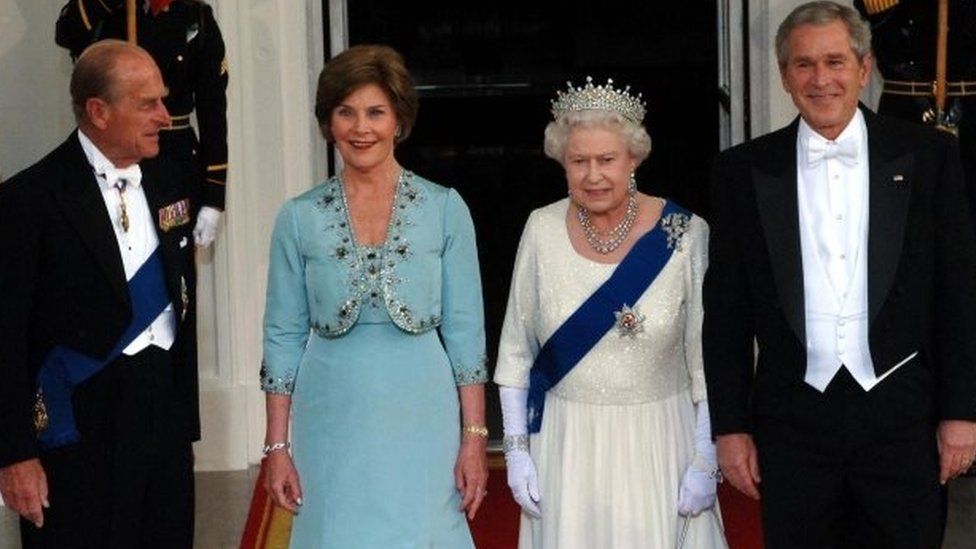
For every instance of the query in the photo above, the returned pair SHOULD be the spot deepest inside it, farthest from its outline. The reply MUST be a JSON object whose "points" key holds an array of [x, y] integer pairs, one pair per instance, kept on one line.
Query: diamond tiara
{"points": [[602, 98]]}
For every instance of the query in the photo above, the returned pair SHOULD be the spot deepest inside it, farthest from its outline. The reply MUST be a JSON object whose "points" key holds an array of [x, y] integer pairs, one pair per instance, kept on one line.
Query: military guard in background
{"points": [[904, 39], [183, 38]]}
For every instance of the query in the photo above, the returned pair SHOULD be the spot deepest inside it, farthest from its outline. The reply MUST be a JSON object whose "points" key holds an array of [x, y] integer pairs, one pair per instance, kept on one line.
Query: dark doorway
{"points": [[486, 72]]}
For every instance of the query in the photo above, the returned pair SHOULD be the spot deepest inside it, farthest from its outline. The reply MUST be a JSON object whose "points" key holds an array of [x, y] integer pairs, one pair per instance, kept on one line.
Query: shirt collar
{"points": [[855, 129], [102, 165]]}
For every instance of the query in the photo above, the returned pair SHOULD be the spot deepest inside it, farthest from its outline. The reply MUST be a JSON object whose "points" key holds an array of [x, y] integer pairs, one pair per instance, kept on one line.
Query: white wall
{"points": [[275, 55], [35, 112]]}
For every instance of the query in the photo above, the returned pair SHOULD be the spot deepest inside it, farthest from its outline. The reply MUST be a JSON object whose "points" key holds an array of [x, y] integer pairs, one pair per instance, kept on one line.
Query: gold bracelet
{"points": [[479, 430]]}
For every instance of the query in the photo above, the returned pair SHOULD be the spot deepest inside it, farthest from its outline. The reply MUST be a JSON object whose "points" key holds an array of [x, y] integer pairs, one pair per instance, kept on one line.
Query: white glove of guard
{"points": [[700, 482], [522, 476], [205, 230]]}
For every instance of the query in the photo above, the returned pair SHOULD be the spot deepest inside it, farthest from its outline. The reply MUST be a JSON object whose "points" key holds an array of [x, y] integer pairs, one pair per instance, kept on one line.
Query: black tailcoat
{"points": [[844, 460], [63, 283]]}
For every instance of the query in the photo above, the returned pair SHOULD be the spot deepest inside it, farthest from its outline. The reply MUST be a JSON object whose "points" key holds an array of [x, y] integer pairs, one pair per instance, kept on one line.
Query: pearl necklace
{"points": [[615, 236]]}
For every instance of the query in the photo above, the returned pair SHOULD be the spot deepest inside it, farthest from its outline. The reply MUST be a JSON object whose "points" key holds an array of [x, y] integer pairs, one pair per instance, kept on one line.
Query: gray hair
{"points": [[824, 13], [94, 74], [557, 132]]}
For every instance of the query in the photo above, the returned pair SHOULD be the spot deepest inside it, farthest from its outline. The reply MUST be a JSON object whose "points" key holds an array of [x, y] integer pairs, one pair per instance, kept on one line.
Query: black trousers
{"points": [[129, 481], [853, 469]]}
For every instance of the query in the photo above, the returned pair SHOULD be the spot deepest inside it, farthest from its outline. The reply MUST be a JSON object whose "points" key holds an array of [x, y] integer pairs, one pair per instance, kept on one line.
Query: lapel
{"points": [[81, 202], [774, 177], [160, 192], [890, 187]]}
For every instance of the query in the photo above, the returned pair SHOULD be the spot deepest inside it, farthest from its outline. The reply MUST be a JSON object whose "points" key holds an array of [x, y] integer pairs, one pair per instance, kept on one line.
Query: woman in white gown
{"points": [[607, 437]]}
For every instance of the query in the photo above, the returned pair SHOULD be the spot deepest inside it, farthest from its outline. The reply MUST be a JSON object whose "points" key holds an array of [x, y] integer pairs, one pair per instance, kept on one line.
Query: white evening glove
{"points": [[205, 230], [522, 476], [700, 481]]}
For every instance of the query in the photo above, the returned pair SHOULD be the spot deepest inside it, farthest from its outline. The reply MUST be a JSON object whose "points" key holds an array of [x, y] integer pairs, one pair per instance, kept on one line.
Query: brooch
{"points": [[629, 321], [40, 413]]}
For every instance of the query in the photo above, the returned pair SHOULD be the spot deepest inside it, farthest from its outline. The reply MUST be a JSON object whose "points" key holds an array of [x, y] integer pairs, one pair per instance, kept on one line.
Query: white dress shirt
{"points": [[833, 200], [135, 244]]}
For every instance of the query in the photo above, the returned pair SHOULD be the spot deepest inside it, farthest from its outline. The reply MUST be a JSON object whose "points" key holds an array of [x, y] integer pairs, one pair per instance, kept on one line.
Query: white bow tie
{"points": [[131, 175], [819, 150]]}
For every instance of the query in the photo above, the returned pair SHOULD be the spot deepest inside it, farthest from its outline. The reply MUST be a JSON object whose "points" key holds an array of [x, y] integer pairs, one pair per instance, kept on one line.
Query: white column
{"points": [[275, 54]]}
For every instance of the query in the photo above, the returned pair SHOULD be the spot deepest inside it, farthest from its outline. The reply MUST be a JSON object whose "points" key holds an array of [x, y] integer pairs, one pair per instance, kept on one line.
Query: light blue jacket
{"points": [[425, 275]]}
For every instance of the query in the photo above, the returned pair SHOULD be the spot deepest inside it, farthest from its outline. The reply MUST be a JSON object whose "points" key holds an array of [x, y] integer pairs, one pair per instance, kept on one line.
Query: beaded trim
{"points": [[515, 443], [276, 385], [372, 269], [464, 375]]}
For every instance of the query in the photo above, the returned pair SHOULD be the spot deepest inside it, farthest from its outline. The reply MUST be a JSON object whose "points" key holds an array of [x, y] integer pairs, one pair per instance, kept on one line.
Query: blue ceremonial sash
{"points": [[591, 321], [64, 368]]}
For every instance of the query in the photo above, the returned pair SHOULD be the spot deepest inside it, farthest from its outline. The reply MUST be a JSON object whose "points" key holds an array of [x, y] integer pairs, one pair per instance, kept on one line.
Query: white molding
{"points": [[338, 26], [275, 153], [731, 72]]}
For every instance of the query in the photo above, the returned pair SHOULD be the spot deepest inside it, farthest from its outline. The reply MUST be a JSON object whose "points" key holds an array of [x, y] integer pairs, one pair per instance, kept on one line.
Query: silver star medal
{"points": [[629, 321]]}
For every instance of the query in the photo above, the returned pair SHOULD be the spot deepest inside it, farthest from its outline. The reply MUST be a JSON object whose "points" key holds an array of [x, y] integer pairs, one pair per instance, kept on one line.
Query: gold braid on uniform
{"points": [[878, 6]]}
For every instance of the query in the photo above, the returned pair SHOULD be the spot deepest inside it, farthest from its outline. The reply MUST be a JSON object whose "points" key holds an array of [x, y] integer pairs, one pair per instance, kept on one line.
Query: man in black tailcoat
{"points": [[842, 250], [99, 401]]}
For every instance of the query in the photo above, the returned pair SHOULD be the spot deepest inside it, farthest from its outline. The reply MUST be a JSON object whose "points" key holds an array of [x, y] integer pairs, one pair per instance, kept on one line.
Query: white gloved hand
{"points": [[700, 481], [524, 481], [522, 476], [205, 230]]}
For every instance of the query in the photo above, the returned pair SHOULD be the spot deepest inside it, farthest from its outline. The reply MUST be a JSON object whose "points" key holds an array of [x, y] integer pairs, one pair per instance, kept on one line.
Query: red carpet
{"points": [[741, 517], [497, 523]]}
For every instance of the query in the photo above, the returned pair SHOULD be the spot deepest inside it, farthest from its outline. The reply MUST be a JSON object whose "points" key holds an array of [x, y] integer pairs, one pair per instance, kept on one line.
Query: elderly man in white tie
{"points": [[841, 247], [98, 406]]}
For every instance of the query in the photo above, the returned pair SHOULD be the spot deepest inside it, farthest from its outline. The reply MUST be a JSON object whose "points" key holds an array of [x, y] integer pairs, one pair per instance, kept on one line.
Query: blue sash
{"points": [[591, 321], [64, 368]]}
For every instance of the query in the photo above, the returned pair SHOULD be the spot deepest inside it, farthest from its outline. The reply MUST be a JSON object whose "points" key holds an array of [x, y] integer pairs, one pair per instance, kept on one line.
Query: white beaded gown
{"points": [[617, 431]]}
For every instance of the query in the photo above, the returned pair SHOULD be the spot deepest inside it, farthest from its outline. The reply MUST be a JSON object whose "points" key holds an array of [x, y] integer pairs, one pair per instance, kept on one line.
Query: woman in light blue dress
{"points": [[374, 335]]}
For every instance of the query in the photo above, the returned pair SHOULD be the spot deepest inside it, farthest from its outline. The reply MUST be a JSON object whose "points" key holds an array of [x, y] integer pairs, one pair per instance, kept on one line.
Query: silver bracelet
{"points": [[274, 447], [511, 443]]}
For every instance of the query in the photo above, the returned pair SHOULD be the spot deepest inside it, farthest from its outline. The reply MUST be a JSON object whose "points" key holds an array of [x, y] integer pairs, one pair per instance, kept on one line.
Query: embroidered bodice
{"points": [[423, 276], [550, 282]]}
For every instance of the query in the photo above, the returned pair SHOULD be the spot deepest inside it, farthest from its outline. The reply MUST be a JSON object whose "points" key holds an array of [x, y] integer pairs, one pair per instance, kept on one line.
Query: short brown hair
{"points": [[359, 66], [94, 74]]}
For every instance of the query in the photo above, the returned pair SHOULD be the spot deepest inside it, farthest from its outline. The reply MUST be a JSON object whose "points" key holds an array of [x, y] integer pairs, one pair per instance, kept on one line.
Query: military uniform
{"points": [[186, 44], [904, 34]]}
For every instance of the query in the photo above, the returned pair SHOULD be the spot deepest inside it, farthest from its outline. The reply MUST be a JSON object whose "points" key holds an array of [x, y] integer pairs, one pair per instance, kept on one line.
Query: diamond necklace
{"points": [[615, 236]]}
